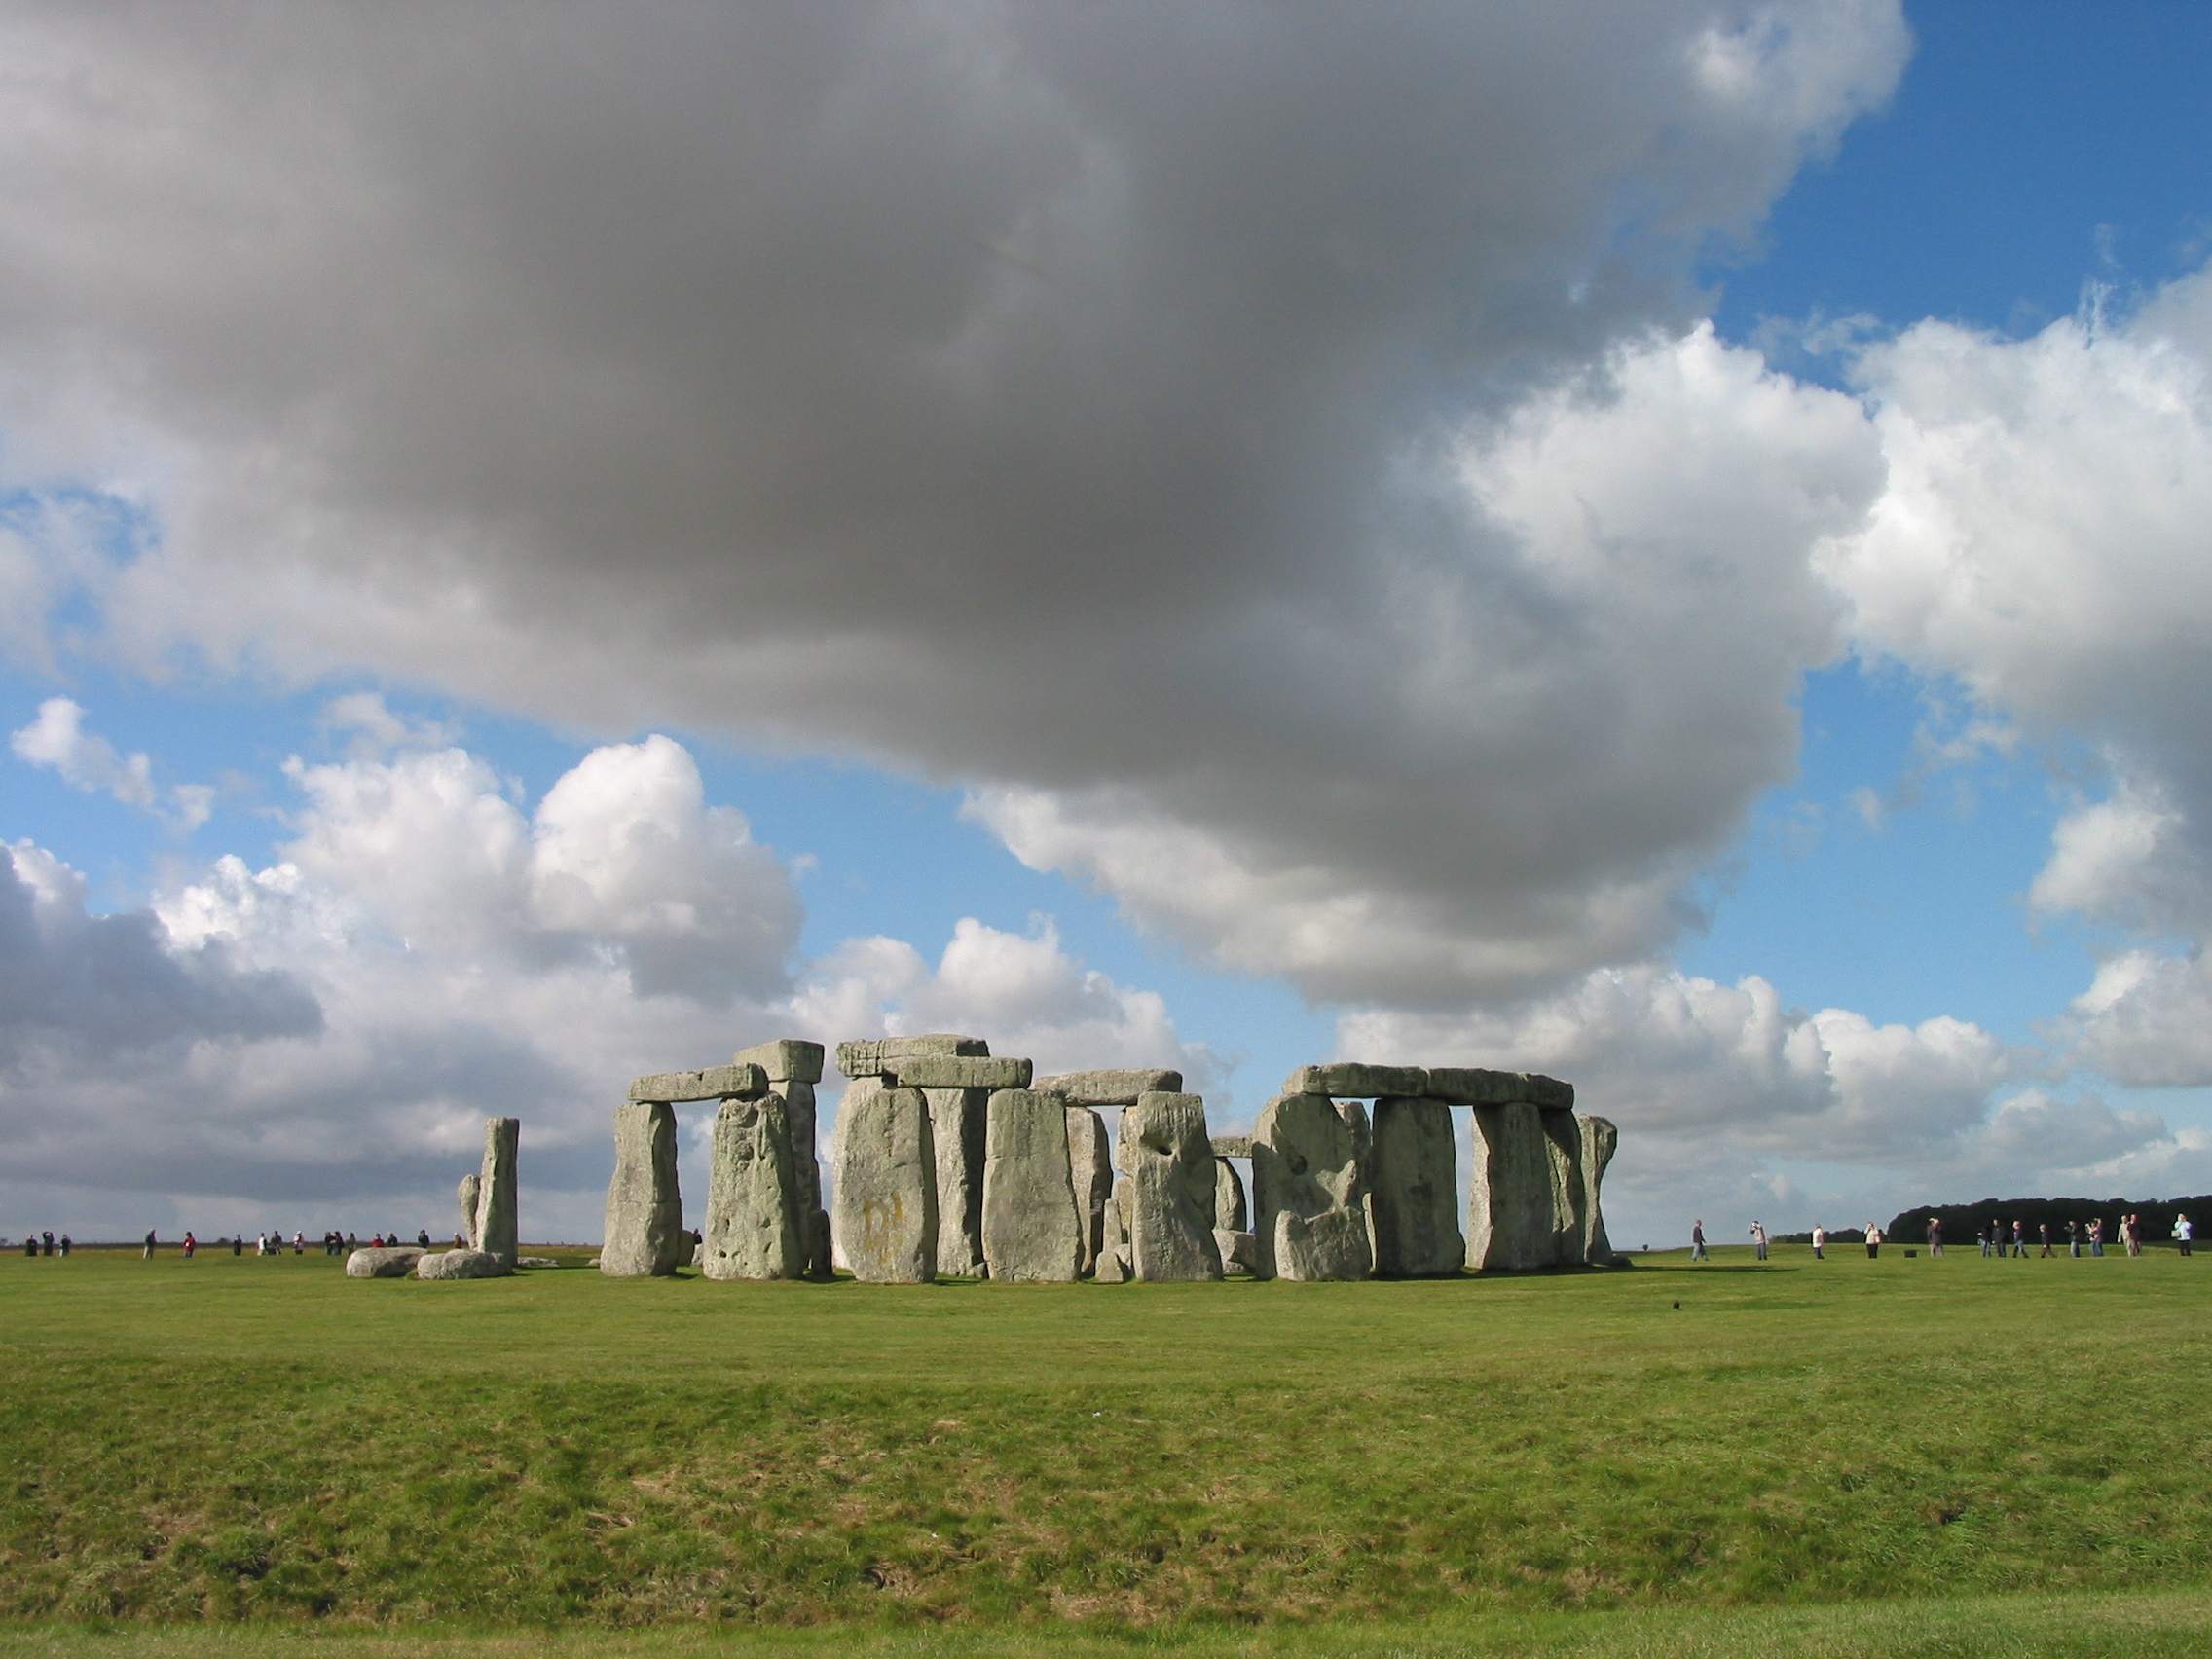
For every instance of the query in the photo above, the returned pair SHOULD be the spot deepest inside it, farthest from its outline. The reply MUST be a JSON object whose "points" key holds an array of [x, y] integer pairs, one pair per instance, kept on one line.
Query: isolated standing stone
{"points": [[645, 1236], [956, 1136], [462, 1264], [1516, 1203], [752, 1228], [1032, 1230], [393, 1261], [471, 1188], [886, 1184], [1169, 1160], [1415, 1180], [1309, 1192], [1599, 1140], [497, 1201], [1090, 1171], [1230, 1214]]}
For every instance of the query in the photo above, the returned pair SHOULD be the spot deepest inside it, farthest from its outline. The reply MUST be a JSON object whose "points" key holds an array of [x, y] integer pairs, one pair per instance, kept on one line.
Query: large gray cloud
{"points": [[1098, 405]]}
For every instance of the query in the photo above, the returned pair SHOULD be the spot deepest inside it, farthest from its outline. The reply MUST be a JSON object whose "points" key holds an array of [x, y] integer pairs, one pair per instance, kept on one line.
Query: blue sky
{"points": [[1827, 794]]}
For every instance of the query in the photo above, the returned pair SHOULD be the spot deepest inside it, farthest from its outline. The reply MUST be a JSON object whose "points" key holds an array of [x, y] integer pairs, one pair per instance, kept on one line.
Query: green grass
{"points": [[1843, 1456]]}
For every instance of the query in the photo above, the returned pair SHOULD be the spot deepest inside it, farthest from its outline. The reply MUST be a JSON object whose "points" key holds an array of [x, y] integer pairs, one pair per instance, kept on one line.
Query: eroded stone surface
{"points": [[462, 1264], [1110, 1088], [885, 1186], [644, 1208], [497, 1201], [469, 1191], [1237, 1249], [1356, 1080], [1306, 1166], [1600, 1138], [1229, 1212], [1524, 1204], [784, 1061], [753, 1228], [1032, 1230], [806, 1169], [956, 1135], [714, 1082], [1090, 1171], [1164, 1149], [1414, 1181], [1113, 1264], [392, 1261], [1473, 1086], [954, 1071], [874, 1058], [1232, 1146]]}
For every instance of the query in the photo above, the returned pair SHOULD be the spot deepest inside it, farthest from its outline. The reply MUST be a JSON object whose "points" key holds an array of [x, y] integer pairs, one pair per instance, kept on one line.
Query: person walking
{"points": [[299, 1243], [190, 1244], [2042, 1228], [30, 1244], [1873, 1242], [1697, 1241], [147, 1254], [2019, 1240], [1935, 1235], [65, 1244], [1820, 1241], [1981, 1238], [237, 1243], [2184, 1232], [2096, 1236], [2131, 1232], [1758, 1240]]}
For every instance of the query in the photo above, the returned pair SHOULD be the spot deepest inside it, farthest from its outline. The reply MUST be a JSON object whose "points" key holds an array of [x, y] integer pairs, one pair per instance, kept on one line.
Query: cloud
{"points": [[1156, 420], [377, 731], [57, 738]]}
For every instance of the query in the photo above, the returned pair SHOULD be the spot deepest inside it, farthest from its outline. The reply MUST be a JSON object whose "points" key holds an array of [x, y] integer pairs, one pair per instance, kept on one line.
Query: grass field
{"points": [[1896, 1457]]}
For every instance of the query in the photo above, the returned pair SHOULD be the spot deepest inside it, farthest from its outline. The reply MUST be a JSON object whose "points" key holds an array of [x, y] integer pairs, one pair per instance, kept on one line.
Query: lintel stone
{"points": [[1109, 1088], [875, 1058], [1352, 1081], [784, 1061], [958, 1071], [714, 1082]]}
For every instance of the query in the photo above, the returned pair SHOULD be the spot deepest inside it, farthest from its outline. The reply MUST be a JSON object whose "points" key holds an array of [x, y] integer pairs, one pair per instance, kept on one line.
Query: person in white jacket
{"points": [[2184, 1232], [1819, 1242]]}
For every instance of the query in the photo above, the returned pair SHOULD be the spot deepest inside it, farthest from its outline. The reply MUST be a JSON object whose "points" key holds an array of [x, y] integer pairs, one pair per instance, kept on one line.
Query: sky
{"points": [[540, 544]]}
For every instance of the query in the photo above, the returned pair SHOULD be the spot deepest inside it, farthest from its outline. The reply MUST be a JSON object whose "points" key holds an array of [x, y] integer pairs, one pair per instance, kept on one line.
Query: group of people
{"points": [[1998, 1239], [42, 1243], [271, 1243]]}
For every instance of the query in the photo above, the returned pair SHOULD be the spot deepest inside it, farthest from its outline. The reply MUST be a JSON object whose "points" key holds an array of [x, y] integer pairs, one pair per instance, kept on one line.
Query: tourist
{"points": [[2019, 1240], [1935, 1235], [422, 1238], [1820, 1241], [1873, 1241], [1981, 1237], [190, 1244], [299, 1243], [65, 1243], [2096, 1236], [2184, 1232], [30, 1244], [1697, 1241], [2042, 1228], [48, 1237], [237, 1243], [147, 1254], [352, 1243], [2130, 1232], [1758, 1240]]}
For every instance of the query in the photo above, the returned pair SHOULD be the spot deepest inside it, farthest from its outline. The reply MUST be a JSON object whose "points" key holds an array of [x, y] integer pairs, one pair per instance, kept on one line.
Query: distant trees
{"points": [[1961, 1222]]}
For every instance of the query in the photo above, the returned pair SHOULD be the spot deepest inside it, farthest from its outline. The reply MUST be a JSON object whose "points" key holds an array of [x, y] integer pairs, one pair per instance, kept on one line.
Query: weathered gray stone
{"points": [[1090, 1171], [1525, 1207], [644, 1208], [819, 1264], [952, 1071], [885, 1188], [1357, 1080], [784, 1061], [1110, 1088], [392, 1261], [1413, 1179], [1164, 1149], [498, 1199], [1472, 1086], [1230, 1214], [957, 1122], [1113, 1264], [1237, 1249], [1232, 1146], [1032, 1230], [1304, 1172], [806, 1169], [752, 1228], [714, 1082], [462, 1264], [876, 1058], [1600, 1138], [471, 1189]]}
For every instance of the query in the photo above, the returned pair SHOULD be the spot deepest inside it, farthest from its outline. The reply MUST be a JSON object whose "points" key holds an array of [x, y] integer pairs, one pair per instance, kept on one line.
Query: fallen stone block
{"points": [[954, 1071], [537, 1261], [1358, 1082], [1090, 1170], [885, 1187], [392, 1261], [645, 1236], [1237, 1248], [714, 1082], [1032, 1230], [1306, 1166], [784, 1061], [1166, 1150], [1109, 1088], [753, 1214], [462, 1264], [1330, 1245], [1472, 1086], [497, 1199], [874, 1058], [957, 1126], [1414, 1180]]}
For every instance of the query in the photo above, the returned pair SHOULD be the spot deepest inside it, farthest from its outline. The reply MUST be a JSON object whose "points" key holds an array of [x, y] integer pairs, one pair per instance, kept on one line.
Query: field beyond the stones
{"points": [[1578, 1463]]}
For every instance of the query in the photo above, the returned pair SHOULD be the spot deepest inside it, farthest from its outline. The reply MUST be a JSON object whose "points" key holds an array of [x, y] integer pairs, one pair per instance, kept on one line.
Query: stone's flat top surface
{"points": [[1109, 1088], [1473, 1086], [392, 1261], [956, 1071], [1232, 1146], [462, 1264], [785, 1060], [874, 1057], [714, 1082], [1356, 1081]]}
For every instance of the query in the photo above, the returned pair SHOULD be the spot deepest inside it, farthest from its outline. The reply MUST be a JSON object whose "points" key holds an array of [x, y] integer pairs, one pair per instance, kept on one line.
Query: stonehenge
{"points": [[1164, 1149], [644, 1236], [1032, 1228], [1414, 1180], [1309, 1192], [496, 1197], [754, 1216], [1090, 1171], [885, 1198], [470, 1189]]}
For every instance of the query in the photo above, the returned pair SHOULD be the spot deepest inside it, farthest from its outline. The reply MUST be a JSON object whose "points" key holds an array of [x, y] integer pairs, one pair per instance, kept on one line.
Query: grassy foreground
{"points": [[1478, 1464]]}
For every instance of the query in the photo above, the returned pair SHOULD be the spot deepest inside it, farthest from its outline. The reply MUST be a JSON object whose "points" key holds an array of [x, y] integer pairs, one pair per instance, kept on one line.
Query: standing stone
{"points": [[1032, 1230], [1512, 1203], [753, 1214], [886, 1184], [1599, 1140], [644, 1208], [806, 1167], [471, 1186], [1169, 1160], [1415, 1180], [497, 1201], [1309, 1193], [956, 1135], [1113, 1264], [1090, 1170], [1566, 1196], [1230, 1214]]}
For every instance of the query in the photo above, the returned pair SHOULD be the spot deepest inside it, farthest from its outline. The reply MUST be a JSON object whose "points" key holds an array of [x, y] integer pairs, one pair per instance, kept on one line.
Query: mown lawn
{"points": [[1232, 1468]]}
